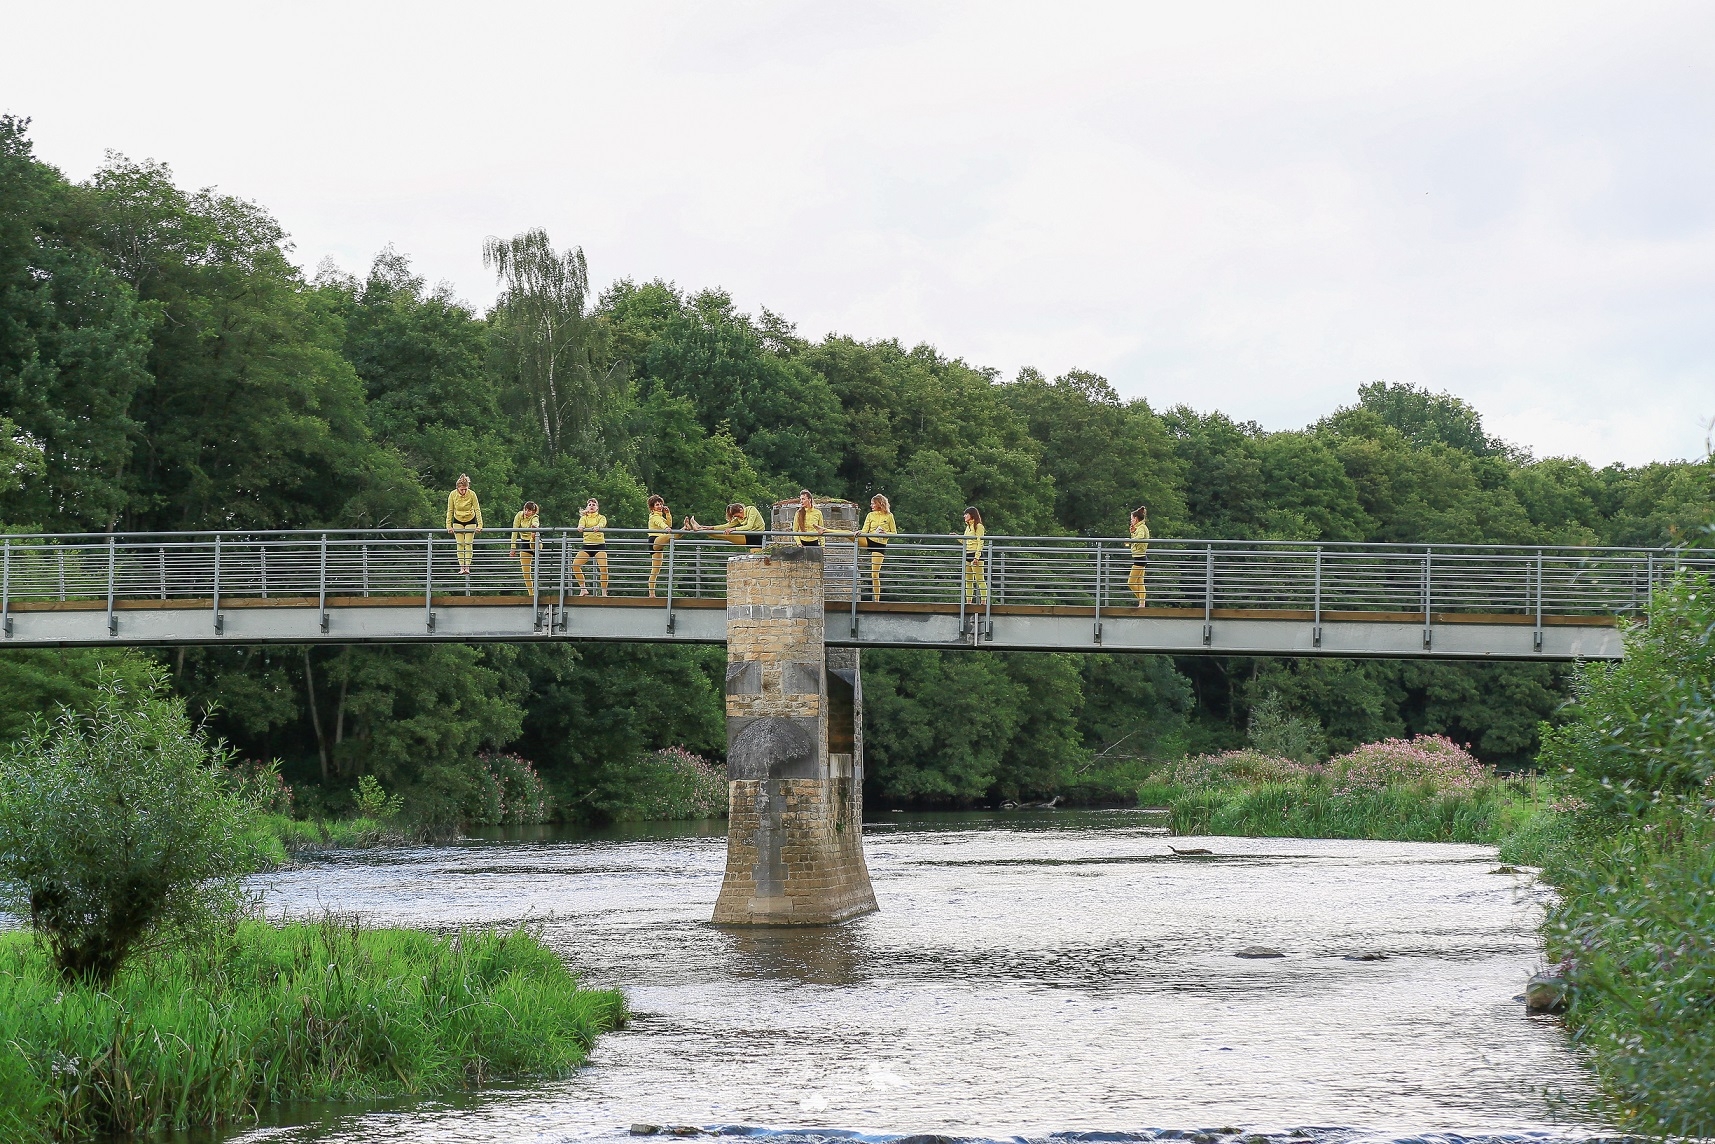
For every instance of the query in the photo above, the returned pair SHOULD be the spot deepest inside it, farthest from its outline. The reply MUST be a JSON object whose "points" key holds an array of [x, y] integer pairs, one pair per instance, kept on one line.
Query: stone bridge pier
{"points": [[794, 750]]}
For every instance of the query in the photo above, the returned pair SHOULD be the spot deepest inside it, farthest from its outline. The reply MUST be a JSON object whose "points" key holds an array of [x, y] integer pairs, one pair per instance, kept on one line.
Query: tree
{"points": [[118, 828], [552, 349]]}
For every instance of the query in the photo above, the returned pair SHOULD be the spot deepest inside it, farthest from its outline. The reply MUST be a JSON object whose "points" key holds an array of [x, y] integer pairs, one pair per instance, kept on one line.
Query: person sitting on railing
{"points": [[1139, 551], [660, 535], [976, 591], [464, 521], [595, 544], [744, 526], [526, 540], [807, 521], [878, 526]]}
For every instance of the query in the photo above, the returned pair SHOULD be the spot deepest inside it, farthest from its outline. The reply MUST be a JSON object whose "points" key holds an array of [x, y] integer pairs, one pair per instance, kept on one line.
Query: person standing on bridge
{"points": [[1139, 551], [595, 544], [526, 541], [744, 526], [807, 521], [878, 527], [976, 588], [464, 521], [660, 536]]}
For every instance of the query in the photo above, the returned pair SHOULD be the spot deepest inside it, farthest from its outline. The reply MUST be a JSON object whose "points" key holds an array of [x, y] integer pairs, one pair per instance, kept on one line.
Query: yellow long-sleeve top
{"points": [[811, 520], [660, 526], [974, 539], [592, 523], [1140, 540], [523, 520], [463, 509], [879, 524], [752, 521]]}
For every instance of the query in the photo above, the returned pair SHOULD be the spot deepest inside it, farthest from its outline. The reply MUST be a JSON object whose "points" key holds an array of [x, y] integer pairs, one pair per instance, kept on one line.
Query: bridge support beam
{"points": [[794, 751]]}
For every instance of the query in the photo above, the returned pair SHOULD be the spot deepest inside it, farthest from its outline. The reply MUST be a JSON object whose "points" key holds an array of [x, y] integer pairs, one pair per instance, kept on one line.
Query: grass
{"points": [[1312, 807], [309, 1011], [297, 835]]}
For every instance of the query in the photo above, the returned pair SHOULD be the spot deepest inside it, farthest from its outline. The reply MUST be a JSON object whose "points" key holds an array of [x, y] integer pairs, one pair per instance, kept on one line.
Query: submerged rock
{"points": [[645, 1129], [1258, 951], [1366, 957], [1190, 850], [1545, 993]]}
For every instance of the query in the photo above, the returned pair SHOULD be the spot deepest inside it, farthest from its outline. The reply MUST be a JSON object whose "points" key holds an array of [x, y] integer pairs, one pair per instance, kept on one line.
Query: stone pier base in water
{"points": [[794, 751]]}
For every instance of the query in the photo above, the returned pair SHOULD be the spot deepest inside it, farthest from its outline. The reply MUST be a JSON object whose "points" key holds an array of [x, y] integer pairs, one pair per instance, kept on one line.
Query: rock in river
{"points": [[1545, 993], [1258, 951]]}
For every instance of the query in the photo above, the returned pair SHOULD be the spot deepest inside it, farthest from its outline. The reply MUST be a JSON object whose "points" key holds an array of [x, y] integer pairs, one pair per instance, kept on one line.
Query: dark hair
{"points": [[532, 506], [655, 499], [806, 493], [1140, 510], [972, 511], [734, 509]]}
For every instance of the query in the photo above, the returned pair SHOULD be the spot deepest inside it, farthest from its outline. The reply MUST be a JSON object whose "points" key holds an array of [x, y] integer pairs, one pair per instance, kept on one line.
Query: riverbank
{"points": [[319, 1011]]}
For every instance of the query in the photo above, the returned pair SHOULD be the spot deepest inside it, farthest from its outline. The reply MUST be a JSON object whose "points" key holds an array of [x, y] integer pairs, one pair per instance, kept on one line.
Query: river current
{"points": [[1029, 974]]}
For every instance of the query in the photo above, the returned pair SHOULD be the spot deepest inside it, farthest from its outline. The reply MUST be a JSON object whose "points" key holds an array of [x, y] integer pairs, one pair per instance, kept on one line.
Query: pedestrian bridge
{"points": [[1037, 593]]}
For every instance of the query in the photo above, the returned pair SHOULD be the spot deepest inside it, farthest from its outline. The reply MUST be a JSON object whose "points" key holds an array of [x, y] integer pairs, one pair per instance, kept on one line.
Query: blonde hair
{"points": [[886, 505]]}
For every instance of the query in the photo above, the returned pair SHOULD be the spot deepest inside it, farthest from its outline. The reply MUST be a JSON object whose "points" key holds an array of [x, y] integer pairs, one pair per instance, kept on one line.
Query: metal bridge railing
{"points": [[1200, 575]]}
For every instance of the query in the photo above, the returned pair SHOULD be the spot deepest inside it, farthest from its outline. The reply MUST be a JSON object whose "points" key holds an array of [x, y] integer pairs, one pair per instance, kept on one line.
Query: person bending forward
{"points": [[464, 521]]}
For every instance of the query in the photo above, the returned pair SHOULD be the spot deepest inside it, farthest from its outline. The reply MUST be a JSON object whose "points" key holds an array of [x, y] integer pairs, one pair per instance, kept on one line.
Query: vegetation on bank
{"points": [[209, 1033]]}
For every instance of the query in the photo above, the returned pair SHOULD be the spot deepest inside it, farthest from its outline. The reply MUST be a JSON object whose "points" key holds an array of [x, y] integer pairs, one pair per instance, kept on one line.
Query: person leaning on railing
{"points": [[660, 535], [744, 526], [525, 541], [464, 521], [595, 544], [807, 521], [878, 526], [975, 590], [1139, 551]]}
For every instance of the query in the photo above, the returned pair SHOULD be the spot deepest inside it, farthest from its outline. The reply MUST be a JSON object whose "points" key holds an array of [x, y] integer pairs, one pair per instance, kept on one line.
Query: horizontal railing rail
{"points": [[337, 567]]}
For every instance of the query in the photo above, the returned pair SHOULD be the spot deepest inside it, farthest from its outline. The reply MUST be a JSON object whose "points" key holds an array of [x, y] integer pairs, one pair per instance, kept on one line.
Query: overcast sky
{"points": [[1247, 207]]}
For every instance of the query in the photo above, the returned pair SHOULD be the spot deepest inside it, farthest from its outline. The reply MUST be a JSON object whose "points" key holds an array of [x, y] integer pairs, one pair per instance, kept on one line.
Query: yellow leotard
{"points": [[592, 523], [660, 522], [879, 525], [525, 520], [812, 521], [752, 521], [974, 540], [463, 509], [1140, 540]]}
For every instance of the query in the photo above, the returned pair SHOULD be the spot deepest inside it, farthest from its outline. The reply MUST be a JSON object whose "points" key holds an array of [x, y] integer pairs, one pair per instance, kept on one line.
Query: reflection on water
{"points": [[1030, 973]]}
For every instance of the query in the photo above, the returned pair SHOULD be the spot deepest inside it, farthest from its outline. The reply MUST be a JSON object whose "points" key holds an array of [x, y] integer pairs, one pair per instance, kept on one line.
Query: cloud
{"points": [[1247, 207]]}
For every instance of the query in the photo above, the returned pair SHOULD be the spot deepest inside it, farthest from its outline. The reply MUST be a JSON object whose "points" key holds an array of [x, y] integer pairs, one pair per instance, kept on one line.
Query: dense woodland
{"points": [[164, 365]]}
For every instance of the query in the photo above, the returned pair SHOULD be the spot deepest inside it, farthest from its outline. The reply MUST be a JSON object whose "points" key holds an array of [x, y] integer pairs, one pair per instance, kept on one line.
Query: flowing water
{"points": [[1029, 974]]}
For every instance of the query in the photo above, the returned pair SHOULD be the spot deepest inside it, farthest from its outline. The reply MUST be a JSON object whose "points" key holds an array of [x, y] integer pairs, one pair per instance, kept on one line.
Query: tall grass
{"points": [[310, 1011], [1315, 808]]}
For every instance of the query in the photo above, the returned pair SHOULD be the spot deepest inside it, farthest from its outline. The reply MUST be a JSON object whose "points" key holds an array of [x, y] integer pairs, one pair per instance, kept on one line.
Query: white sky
{"points": [[1249, 207]]}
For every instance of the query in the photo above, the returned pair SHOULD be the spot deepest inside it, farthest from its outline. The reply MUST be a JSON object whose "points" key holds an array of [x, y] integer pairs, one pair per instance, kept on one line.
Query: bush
{"points": [[323, 1011], [260, 785], [119, 828], [509, 792], [673, 783], [1273, 730], [1244, 767], [1642, 730], [371, 801], [1433, 762]]}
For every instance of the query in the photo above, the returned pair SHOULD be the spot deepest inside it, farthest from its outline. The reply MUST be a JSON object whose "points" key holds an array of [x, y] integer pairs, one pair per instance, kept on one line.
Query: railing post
{"points": [[262, 562], [219, 623], [1649, 578], [1209, 596], [366, 569], [161, 553], [988, 594], [964, 589], [322, 585], [1428, 556], [429, 582], [1097, 634], [670, 546], [60, 549], [1537, 643], [112, 568], [6, 590], [855, 592], [537, 551], [1316, 621], [565, 620]]}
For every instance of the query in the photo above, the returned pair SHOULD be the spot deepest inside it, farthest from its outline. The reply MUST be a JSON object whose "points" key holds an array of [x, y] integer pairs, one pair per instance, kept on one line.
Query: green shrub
{"points": [[371, 801], [508, 792], [328, 1011], [1312, 808], [1642, 730], [1273, 730], [1433, 762], [119, 828], [672, 783], [1243, 767]]}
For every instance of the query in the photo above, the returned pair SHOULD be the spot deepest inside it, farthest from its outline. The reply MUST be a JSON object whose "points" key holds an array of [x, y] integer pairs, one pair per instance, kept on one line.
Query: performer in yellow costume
{"points": [[660, 535], [1139, 551], [595, 544], [464, 521], [976, 590], [878, 527], [525, 542], [807, 521]]}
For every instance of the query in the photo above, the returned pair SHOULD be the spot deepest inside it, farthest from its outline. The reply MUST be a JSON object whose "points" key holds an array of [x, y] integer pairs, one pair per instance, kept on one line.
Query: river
{"points": [[1029, 973]]}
